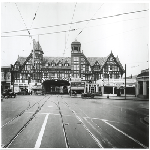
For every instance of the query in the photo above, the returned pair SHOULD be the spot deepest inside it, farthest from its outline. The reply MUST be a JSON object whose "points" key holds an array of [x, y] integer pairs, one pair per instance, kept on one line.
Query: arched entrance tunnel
{"points": [[56, 86]]}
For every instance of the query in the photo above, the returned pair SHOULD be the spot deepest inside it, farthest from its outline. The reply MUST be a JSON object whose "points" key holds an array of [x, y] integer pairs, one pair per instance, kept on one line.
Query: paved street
{"points": [[58, 121]]}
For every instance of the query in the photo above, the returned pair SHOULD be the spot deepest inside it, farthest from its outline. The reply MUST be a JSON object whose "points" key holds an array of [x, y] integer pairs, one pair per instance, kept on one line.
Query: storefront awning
{"points": [[36, 87]]}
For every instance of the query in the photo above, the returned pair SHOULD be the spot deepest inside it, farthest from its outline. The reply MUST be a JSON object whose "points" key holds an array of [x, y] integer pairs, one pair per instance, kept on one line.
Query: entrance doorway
{"points": [[55, 86]]}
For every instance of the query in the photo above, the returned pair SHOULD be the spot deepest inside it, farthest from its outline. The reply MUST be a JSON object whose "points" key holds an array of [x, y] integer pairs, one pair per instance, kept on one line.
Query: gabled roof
{"points": [[143, 74], [21, 60], [37, 46], [116, 58], [92, 60], [57, 59]]}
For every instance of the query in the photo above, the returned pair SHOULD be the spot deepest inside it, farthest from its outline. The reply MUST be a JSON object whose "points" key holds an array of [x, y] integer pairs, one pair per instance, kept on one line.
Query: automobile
{"points": [[74, 93], [40, 92], [92, 95], [8, 93], [87, 95], [98, 93]]}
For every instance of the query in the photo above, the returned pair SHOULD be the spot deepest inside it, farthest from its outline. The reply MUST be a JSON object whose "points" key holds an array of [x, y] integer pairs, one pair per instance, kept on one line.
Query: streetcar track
{"points": [[86, 128], [25, 125], [63, 124], [114, 128], [104, 140], [21, 113]]}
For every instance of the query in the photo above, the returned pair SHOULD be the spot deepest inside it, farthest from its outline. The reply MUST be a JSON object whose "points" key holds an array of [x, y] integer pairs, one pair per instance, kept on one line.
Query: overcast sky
{"points": [[126, 35]]}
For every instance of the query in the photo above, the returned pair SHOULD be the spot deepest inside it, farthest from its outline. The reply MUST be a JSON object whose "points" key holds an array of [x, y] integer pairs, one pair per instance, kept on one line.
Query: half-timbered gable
{"points": [[112, 68]]}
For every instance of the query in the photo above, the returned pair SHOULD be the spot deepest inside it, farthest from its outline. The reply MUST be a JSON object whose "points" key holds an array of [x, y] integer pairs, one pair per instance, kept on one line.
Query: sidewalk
{"points": [[111, 96], [128, 97]]}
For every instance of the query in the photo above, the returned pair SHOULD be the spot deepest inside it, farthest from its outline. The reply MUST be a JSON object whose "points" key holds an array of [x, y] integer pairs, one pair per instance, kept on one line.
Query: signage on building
{"points": [[77, 84], [76, 79]]}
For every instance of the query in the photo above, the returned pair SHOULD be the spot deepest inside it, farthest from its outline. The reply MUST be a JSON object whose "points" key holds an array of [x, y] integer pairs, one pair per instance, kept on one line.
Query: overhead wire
{"points": [[70, 28], [41, 33], [22, 19], [73, 29], [35, 15], [79, 21], [88, 21], [27, 30], [115, 34]]}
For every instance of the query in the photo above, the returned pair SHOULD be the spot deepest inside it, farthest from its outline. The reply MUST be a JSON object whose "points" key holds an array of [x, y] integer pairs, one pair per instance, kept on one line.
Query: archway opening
{"points": [[56, 86]]}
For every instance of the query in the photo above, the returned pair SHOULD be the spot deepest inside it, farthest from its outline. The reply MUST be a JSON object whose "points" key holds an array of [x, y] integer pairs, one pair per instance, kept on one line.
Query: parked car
{"points": [[74, 93], [8, 93], [87, 95], [40, 92], [92, 95], [98, 94]]}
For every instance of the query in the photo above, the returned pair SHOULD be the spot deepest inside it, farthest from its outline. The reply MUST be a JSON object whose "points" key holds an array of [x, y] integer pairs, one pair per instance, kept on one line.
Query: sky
{"points": [[57, 24]]}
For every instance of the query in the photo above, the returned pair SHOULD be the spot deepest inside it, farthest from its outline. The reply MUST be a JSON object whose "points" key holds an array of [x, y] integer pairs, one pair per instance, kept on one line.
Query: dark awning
{"points": [[56, 82]]}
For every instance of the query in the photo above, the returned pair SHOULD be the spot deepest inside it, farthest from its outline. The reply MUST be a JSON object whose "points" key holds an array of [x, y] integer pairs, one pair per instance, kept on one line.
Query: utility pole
{"points": [[125, 82], [12, 76]]}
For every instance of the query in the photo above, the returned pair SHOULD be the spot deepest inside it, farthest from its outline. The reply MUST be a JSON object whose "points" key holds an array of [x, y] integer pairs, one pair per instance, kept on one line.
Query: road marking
{"points": [[124, 133], [49, 114], [86, 128], [39, 140], [113, 121]]}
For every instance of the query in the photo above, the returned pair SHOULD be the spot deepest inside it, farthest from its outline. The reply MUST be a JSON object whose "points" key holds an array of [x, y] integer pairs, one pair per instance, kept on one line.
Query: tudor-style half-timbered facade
{"points": [[36, 68]]}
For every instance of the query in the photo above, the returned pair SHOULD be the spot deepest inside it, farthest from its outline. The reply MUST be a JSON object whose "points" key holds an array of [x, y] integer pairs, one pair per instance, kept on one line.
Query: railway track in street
{"points": [[94, 129], [40, 104], [57, 122]]}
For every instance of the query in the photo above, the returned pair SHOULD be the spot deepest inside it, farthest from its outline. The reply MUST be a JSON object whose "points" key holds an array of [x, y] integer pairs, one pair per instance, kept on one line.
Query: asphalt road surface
{"points": [[58, 121]]}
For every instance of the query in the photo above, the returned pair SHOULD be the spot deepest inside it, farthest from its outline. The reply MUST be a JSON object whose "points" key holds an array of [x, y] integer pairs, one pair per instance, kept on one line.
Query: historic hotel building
{"points": [[37, 68]]}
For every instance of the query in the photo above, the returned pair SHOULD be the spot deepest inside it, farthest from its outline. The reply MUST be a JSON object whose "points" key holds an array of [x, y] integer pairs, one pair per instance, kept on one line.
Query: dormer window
{"points": [[66, 64], [53, 64], [46, 64], [110, 67]]}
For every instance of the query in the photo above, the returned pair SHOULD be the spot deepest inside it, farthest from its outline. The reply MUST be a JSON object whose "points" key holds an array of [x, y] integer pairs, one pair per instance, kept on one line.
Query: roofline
{"points": [[142, 76], [6, 66]]}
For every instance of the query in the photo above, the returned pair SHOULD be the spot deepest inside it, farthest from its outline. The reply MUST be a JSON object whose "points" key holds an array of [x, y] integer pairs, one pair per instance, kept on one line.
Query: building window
{"points": [[75, 48], [110, 67], [106, 75], [82, 60], [45, 75], [87, 67], [28, 67], [110, 76], [96, 67], [66, 64], [106, 68], [53, 64], [114, 68], [76, 58], [18, 75], [76, 67]]}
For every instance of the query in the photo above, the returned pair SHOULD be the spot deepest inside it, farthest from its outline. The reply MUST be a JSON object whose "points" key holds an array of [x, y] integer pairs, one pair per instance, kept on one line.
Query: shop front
{"points": [[142, 84], [117, 86]]}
